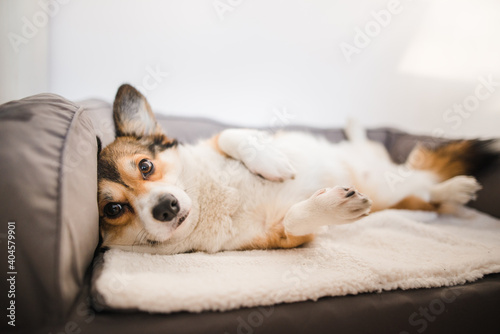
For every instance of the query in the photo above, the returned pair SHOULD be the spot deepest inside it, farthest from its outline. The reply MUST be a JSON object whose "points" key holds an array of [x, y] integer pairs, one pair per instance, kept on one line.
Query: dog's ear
{"points": [[133, 115], [99, 145]]}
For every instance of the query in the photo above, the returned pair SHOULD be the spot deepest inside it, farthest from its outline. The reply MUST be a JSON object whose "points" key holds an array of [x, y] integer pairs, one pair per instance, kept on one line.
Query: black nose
{"points": [[166, 209]]}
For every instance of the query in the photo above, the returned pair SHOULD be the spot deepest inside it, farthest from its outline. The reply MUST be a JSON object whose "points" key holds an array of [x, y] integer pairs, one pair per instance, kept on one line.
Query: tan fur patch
{"points": [[113, 229], [446, 161], [276, 237], [214, 143], [131, 176], [117, 235], [110, 191], [415, 203]]}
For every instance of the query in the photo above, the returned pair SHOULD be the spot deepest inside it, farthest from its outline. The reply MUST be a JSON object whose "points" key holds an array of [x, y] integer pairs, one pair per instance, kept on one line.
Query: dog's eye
{"points": [[113, 210], [146, 167]]}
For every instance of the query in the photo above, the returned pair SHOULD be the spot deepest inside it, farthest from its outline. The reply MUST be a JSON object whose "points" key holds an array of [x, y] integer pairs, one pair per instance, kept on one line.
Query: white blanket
{"points": [[384, 251]]}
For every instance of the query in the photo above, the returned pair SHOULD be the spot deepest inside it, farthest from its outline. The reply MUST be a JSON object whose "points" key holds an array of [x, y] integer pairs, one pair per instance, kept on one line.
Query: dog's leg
{"points": [[457, 190], [256, 150], [355, 132], [330, 206], [443, 197]]}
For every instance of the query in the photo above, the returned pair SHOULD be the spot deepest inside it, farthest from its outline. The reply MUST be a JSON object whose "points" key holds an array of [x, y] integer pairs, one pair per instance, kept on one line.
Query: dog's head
{"points": [[141, 199]]}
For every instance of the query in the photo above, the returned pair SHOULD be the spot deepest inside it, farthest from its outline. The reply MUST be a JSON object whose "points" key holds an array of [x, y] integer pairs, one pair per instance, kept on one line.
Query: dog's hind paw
{"points": [[344, 204], [328, 206], [458, 190]]}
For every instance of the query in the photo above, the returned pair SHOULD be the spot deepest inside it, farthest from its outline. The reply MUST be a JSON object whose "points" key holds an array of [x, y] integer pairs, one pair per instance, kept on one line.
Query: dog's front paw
{"points": [[271, 164], [345, 204], [256, 150]]}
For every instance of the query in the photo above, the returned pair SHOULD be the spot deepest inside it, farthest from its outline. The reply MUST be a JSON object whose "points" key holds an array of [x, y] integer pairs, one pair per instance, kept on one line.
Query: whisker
{"points": [[138, 238]]}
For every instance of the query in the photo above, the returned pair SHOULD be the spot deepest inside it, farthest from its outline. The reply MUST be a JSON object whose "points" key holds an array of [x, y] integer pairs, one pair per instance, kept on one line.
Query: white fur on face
{"points": [[162, 231]]}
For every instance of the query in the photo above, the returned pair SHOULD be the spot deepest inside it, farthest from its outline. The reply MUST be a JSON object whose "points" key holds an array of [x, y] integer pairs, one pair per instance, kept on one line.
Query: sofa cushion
{"points": [[48, 159]]}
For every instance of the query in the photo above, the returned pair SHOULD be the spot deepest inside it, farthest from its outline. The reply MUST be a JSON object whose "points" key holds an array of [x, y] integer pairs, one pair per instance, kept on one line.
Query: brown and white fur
{"points": [[248, 189]]}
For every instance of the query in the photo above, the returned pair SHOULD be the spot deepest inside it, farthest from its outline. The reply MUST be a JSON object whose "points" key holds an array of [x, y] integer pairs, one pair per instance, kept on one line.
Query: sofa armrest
{"points": [[48, 182]]}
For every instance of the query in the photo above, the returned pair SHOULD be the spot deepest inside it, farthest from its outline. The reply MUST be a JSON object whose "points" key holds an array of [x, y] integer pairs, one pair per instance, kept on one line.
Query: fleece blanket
{"points": [[384, 251]]}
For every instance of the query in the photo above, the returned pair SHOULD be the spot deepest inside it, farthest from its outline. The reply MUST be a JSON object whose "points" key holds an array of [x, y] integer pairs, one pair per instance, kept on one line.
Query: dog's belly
{"points": [[263, 203]]}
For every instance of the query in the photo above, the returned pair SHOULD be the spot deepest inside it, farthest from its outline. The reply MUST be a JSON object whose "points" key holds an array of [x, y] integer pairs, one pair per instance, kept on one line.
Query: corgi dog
{"points": [[248, 189]]}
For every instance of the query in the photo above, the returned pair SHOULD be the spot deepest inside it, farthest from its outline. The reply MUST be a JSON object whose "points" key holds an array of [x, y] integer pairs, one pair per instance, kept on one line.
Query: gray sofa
{"points": [[48, 157]]}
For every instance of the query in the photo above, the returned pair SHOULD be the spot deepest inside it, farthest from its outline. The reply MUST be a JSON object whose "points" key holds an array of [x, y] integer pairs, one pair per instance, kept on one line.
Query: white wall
{"points": [[23, 49], [245, 61]]}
